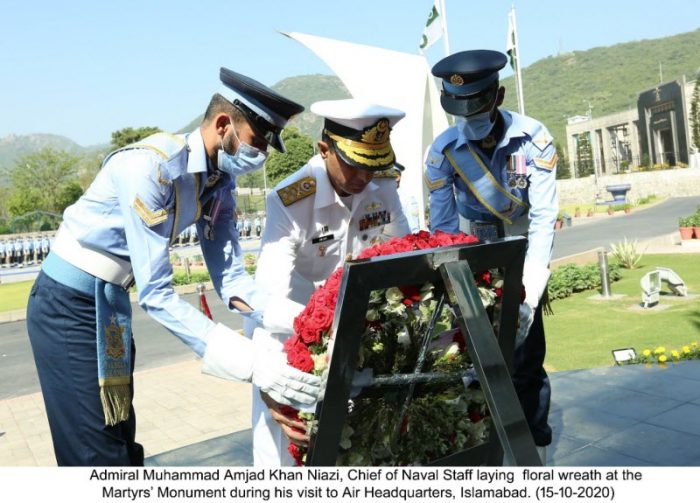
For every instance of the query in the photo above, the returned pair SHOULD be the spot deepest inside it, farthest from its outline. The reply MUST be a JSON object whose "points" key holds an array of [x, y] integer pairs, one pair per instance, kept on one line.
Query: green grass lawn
{"points": [[583, 332], [14, 295]]}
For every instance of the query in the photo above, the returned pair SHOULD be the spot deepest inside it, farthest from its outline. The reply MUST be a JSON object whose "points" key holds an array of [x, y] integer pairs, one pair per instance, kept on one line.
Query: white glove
{"points": [[525, 319], [283, 383], [230, 356], [535, 279]]}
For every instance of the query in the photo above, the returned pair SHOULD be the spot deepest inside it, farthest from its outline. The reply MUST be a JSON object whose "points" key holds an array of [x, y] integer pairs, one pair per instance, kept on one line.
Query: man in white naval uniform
{"points": [[335, 206]]}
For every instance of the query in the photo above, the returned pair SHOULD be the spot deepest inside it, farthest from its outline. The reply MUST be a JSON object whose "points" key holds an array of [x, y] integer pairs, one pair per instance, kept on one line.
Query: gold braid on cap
{"points": [[373, 149]]}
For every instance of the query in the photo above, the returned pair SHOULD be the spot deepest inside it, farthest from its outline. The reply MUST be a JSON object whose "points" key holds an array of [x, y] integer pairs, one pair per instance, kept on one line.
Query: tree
{"points": [[563, 170], [695, 115], [300, 148], [45, 180], [251, 180], [584, 155], [129, 135]]}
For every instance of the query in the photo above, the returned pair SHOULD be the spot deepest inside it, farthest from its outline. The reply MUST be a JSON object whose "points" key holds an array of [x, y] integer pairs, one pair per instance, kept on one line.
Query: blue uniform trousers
{"points": [[61, 326], [531, 381]]}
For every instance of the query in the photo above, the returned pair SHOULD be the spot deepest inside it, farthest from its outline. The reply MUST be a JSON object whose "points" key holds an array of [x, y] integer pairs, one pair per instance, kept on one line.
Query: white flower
{"points": [[393, 295], [345, 435], [403, 338], [372, 315], [488, 296], [320, 362]]}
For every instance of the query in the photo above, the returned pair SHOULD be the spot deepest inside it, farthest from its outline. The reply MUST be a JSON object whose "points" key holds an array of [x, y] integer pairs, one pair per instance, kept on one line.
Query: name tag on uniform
{"points": [[321, 239]]}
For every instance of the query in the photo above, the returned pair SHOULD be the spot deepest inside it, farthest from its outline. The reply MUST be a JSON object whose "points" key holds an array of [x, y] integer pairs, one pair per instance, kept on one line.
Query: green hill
{"points": [[13, 146], [610, 78]]}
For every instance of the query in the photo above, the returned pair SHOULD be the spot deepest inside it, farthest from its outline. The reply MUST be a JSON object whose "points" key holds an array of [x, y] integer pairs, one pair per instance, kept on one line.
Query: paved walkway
{"points": [[176, 406]]}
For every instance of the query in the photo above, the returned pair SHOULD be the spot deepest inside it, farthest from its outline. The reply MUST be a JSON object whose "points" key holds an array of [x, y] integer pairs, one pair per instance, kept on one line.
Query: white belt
{"points": [[99, 263]]}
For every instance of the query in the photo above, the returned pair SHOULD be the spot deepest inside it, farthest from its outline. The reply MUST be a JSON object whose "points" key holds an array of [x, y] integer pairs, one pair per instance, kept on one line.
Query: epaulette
{"points": [[448, 136], [297, 190], [165, 145]]}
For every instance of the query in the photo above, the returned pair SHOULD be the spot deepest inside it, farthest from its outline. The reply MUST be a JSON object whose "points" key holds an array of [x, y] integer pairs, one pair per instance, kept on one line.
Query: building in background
{"points": [[655, 132]]}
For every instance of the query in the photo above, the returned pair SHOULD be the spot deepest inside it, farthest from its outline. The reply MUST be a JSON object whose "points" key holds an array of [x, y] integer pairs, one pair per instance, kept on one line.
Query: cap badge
{"points": [[377, 133], [456, 80]]}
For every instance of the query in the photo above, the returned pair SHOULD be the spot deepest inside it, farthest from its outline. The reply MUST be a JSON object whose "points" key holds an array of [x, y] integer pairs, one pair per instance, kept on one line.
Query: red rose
{"points": [[296, 452], [411, 294], [474, 416], [322, 317], [298, 355], [459, 339], [486, 277]]}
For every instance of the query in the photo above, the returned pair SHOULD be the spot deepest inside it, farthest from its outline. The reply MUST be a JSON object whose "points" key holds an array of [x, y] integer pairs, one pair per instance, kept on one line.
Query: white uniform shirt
{"points": [[306, 240]]}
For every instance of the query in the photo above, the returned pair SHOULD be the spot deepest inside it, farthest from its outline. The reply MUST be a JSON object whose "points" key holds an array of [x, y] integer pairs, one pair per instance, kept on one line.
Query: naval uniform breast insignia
{"points": [[322, 250], [297, 191], [374, 219]]}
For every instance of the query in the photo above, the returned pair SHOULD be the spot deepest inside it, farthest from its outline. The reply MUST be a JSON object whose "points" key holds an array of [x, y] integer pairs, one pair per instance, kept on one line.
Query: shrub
{"points": [[180, 278], [626, 253], [572, 278]]}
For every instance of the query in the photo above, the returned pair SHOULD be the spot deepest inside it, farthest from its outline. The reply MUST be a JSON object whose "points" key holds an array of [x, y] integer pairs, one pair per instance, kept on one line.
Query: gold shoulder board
{"points": [[297, 191]]}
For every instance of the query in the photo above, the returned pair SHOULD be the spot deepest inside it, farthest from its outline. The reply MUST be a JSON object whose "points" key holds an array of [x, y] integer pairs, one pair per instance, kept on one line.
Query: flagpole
{"points": [[518, 74], [444, 28]]}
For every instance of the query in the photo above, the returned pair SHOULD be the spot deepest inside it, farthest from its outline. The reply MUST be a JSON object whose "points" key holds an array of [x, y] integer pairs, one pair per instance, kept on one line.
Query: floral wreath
{"points": [[441, 418]]}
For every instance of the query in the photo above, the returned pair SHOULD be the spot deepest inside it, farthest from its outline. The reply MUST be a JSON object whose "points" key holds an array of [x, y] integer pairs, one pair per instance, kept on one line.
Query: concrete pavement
{"points": [[176, 406]]}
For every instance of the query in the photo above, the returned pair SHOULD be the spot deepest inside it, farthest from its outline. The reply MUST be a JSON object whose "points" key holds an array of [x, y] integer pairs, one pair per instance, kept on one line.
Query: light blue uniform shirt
{"points": [[139, 201], [450, 195]]}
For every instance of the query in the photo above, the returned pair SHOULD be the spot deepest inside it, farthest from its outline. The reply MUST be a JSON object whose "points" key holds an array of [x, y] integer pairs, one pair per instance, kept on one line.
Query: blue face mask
{"points": [[477, 127], [246, 159]]}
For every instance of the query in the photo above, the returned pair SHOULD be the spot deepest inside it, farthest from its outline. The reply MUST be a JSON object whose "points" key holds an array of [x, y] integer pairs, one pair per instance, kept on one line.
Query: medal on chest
{"points": [[517, 171], [374, 219]]}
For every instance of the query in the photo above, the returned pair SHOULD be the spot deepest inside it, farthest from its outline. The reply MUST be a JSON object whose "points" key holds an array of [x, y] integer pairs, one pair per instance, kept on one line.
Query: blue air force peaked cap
{"points": [[469, 80], [267, 111]]}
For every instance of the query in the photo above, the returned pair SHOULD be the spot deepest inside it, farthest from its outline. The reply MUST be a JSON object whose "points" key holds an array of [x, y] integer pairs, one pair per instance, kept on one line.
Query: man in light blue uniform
{"points": [[493, 174], [2, 253], [36, 248], [118, 233]]}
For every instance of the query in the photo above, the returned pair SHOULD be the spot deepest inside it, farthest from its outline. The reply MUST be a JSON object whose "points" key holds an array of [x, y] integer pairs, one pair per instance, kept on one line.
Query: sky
{"points": [[86, 68]]}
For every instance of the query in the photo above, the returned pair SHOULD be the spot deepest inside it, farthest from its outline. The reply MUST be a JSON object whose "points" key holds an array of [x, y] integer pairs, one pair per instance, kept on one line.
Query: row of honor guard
{"points": [[21, 251]]}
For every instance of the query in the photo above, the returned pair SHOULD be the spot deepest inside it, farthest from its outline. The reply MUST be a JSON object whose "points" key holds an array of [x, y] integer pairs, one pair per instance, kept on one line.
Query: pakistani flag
{"points": [[511, 46], [433, 28]]}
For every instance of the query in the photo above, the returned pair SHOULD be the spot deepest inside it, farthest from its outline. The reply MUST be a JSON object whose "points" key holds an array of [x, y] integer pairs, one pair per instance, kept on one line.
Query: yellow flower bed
{"points": [[660, 355]]}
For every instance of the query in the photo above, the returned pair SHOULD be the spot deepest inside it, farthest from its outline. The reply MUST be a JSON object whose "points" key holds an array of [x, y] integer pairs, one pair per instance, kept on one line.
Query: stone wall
{"points": [[667, 183]]}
